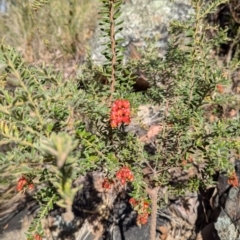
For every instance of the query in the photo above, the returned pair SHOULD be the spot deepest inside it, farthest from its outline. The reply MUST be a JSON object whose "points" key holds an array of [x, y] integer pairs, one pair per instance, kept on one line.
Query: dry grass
{"points": [[55, 33]]}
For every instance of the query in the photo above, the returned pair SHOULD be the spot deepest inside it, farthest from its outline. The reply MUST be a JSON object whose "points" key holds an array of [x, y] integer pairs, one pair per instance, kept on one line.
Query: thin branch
{"points": [[113, 46], [153, 193]]}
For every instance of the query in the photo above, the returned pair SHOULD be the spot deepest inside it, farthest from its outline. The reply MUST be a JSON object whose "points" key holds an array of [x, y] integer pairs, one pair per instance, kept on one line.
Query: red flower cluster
{"points": [[185, 162], [22, 183], [124, 175], [142, 218], [31, 186], [133, 202], [120, 113], [107, 183], [143, 210], [37, 237], [220, 88], [233, 180], [143, 205]]}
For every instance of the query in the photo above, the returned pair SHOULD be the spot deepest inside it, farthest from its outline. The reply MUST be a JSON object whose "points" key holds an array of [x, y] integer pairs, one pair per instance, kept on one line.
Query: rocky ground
{"points": [[211, 214]]}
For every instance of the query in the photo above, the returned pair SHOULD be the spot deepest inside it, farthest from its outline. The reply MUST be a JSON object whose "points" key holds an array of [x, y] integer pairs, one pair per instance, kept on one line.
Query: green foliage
{"points": [[189, 89], [48, 198], [56, 131]]}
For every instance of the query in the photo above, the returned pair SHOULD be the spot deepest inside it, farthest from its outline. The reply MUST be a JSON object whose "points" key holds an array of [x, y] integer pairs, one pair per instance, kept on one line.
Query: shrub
{"points": [[55, 130]]}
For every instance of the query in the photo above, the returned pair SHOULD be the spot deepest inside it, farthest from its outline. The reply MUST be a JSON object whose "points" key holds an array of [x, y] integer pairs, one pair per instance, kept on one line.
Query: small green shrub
{"points": [[53, 131]]}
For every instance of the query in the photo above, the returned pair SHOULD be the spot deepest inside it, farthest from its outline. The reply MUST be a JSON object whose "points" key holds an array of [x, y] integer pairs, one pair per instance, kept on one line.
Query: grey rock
{"points": [[144, 21], [225, 227], [232, 206]]}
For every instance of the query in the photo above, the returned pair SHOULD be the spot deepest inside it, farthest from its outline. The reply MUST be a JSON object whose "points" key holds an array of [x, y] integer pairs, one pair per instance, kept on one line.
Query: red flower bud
{"points": [[145, 205], [233, 180], [119, 103], [22, 182], [220, 88], [126, 112], [124, 174], [114, 107], [114, 123], [126, 120], [142, 218], [37, 237], [120, 112], [126, 104], [31, 186], [107, 183], [132, 201]]}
